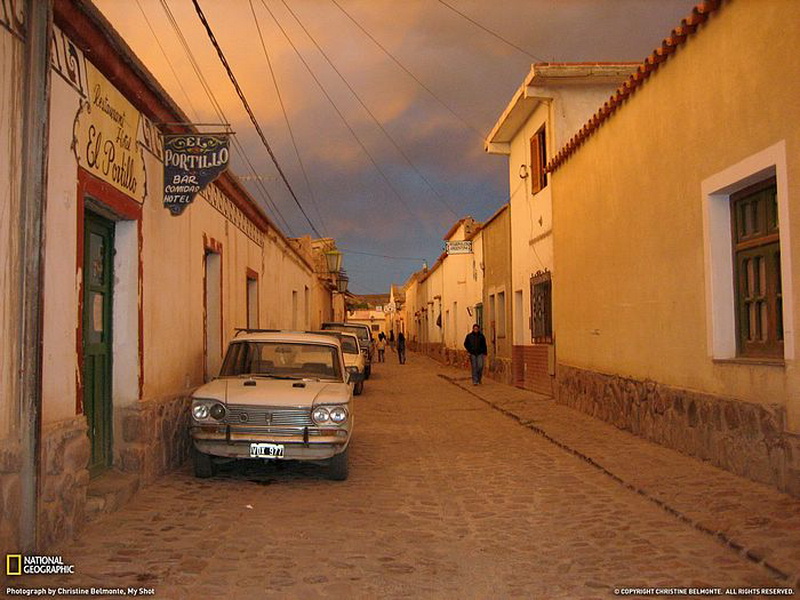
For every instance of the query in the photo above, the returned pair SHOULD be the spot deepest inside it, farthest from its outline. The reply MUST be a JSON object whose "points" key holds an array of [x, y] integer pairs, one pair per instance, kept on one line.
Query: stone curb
{"points": [[792, 580]]}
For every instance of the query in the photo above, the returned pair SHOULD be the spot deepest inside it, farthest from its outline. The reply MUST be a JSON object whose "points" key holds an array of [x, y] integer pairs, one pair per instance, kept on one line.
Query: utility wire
{"points": [[166, 57], [490, 32], [219, 111], [366, 108], [246, 105], [339, 112], [416, 258], [409, 73], [286, 119]]}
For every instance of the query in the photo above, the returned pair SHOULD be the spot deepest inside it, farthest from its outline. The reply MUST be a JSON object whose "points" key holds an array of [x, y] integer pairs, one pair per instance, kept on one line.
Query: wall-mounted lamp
{"points": [[523, 171], [342, 282], [333, 260]]}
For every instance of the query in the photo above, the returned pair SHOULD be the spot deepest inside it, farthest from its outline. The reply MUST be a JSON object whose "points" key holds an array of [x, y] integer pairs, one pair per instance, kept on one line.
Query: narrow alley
{"points": [[447, 498]]}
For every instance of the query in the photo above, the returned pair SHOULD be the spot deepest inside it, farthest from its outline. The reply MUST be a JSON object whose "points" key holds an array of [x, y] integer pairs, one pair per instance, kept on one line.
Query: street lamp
{"points": [[341, 282], [333, 260]]}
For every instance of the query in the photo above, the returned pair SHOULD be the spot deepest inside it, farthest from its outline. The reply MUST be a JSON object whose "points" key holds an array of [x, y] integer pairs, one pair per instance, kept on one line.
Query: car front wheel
{"points": [[367, 371], [358, 388], [204, 466], [338, 466]]}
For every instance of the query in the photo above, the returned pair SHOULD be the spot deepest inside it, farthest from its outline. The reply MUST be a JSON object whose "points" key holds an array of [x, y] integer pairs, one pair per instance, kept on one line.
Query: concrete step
{"points": [[108, 492]]}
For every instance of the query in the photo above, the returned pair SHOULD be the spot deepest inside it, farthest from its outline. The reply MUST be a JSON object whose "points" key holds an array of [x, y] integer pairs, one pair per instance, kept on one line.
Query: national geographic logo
{"points": [[19, 564]]}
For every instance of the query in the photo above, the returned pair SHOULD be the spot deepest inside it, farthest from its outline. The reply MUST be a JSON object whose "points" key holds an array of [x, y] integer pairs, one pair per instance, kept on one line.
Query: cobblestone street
{"points": [[447, 498]]}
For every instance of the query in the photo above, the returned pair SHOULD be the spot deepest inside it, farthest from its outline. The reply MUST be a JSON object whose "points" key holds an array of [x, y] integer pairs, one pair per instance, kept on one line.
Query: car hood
{"points": [[274, 392], [354, 360]]}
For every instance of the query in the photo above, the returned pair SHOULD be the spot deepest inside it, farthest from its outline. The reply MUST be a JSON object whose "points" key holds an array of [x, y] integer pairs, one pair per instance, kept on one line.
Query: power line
{"points": [[409, 73], [286, 119], [416, 258], [374, 118], [166, 57], [269, 203], [490, 32], [246, 105], [339, 112]]}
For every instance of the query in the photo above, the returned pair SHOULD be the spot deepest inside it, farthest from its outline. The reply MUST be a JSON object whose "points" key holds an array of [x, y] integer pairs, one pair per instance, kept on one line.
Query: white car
{"points": [[279, 396], [354, 359]]}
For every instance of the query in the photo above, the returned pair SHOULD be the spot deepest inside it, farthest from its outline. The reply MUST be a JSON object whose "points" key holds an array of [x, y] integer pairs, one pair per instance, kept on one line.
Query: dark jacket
{"points": [[475, 343], [401, 341]]}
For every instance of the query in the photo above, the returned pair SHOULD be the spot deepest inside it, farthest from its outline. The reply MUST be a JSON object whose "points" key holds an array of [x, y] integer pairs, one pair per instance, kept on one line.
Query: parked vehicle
{"points": [[364, 339], [279, 396], [354, 360]]}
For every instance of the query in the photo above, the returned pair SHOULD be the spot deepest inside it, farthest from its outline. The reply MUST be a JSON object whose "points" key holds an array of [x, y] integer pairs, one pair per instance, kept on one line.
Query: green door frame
{"points": [[98, 282]]}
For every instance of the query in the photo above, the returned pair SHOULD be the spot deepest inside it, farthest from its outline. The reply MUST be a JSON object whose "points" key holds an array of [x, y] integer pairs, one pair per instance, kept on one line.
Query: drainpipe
{"points": [[35, 118]]}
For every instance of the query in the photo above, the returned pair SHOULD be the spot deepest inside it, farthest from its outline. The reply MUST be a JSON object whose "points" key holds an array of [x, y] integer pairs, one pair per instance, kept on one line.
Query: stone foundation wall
{"points": [[64, 479], [10, 495], [744, 438], [154, 437], [498, 369]]}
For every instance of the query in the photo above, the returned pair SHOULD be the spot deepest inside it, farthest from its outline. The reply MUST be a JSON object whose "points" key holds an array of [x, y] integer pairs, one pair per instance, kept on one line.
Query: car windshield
{"points": [[349, 345], [362, 332], [291, 360]]}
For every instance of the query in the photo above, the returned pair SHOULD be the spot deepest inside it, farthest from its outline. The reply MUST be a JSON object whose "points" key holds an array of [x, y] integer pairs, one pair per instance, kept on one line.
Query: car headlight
{"points": [[320, 415], [352, 369], [338, 414], [200, 412]]}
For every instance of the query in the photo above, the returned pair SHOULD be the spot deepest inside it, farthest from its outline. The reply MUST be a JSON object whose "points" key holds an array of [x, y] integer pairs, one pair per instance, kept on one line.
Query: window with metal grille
{"points": [[541, 308], [757, 271], [538, 160]]}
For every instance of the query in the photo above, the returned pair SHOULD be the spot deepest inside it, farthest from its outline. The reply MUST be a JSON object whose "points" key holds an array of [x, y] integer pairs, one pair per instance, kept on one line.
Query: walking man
{"points": [[475, 344], [401, 348]]}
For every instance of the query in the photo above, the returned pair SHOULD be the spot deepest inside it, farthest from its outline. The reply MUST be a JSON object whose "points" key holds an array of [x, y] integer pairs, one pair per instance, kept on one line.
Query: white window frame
{"points": [[717, 243]]}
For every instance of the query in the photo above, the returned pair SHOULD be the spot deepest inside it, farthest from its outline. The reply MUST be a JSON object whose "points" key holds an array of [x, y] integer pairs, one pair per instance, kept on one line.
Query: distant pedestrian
{"points": [[391, 339], [381, 346], [475, 344], [401, 348]]}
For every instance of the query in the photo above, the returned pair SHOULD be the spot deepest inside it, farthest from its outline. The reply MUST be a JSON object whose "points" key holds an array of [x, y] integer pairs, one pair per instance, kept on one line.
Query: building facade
{"points": [[137, 304], [443, 302], [497, 302], [677, 220], [552, 103]]}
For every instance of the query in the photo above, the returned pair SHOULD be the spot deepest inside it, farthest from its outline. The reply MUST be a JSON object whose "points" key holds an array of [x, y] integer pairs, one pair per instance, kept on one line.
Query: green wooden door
{"points": [[98, 277]]}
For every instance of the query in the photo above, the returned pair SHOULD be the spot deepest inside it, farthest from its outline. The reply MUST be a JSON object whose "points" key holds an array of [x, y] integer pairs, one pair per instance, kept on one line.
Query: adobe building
{"points": [[552, 103], [676, 234], [137, 303]]}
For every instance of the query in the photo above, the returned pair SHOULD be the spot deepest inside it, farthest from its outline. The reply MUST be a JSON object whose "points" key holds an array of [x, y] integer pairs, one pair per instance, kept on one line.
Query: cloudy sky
{"points": [[387, 102]]}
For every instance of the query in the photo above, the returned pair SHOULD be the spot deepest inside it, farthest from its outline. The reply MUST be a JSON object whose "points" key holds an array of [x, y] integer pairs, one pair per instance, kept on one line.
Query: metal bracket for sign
{"points": [[227, 125], [225, 131]]}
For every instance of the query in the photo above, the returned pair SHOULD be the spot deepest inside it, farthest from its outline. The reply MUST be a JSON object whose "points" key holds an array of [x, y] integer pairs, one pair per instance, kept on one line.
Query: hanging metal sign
{"points": [[191, 162], [459, 247]]}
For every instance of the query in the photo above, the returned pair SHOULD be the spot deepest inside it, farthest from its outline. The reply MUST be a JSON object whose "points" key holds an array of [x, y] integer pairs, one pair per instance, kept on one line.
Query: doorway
{"points": [[98, 282]]}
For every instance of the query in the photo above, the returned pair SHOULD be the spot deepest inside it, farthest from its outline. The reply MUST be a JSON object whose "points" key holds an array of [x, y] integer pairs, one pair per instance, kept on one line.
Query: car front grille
{"points": [[275, 416]]}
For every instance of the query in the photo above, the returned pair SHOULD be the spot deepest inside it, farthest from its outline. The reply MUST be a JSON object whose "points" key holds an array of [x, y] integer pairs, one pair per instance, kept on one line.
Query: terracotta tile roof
{"points": [[679, 35]]}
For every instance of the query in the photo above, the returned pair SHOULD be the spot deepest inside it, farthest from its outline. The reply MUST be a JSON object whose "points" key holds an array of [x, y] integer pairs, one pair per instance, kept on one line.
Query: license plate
{"points": [[266, 450]]}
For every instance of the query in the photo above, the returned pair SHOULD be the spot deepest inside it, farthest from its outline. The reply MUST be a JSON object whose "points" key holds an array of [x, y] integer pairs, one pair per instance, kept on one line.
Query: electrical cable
{"points": [[489, 31], [286, 120], [169, 62], [416, 258], [269, 203], [249, 110], [341, 115], [410, 74], [366, 108]]}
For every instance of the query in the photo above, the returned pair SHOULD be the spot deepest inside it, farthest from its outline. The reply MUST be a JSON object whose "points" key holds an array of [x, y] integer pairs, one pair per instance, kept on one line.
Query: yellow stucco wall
{"points": [[630, 291]]}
